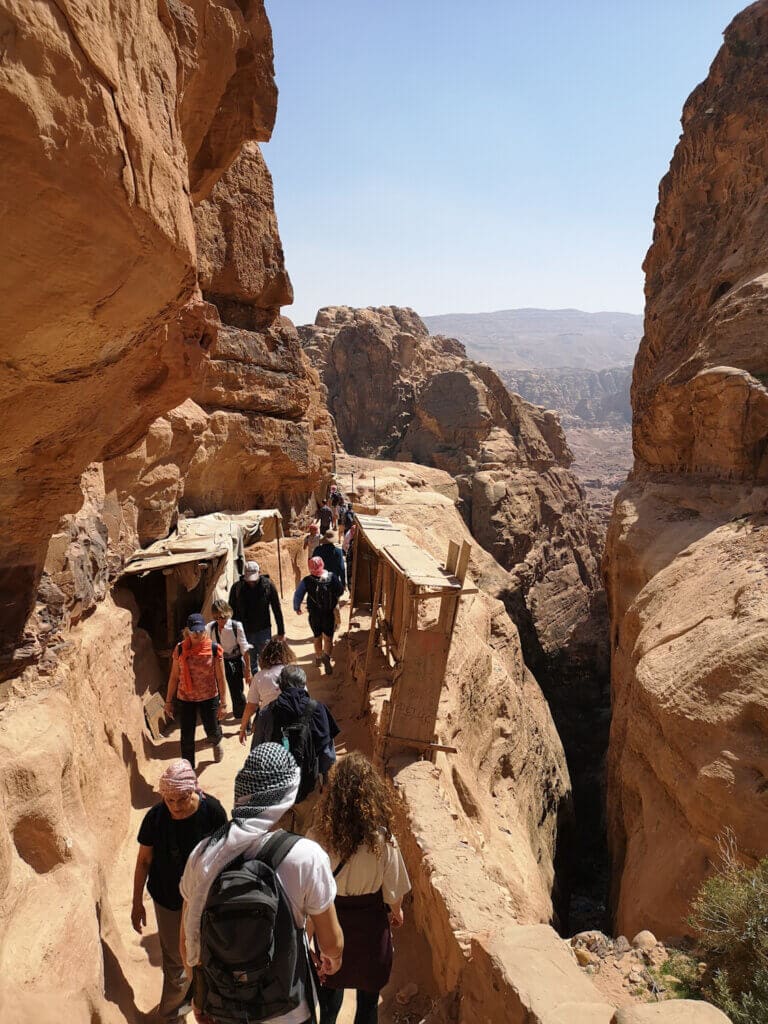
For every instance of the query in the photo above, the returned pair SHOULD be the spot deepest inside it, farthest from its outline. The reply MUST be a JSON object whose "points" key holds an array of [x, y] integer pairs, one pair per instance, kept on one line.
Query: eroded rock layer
{"points": [[113, 115], [685, 563]]}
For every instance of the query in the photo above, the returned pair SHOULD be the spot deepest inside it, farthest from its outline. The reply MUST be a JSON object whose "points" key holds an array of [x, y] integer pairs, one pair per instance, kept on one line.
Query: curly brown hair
{"points": [[276, 652], [354, 808]]}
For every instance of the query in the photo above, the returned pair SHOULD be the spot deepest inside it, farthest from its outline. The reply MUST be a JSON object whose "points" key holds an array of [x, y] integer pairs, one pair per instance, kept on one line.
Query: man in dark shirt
{"points": [[325, 517], [168, 834], [332, 556], [251, 599]]}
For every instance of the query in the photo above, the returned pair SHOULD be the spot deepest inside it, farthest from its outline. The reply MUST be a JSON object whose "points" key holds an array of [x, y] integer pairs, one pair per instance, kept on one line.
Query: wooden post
{"points": [[279, 562], [374, 495], [371, 638]]}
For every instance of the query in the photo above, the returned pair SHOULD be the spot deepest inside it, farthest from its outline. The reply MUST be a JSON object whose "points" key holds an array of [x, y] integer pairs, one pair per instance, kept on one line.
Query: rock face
{"points": [[113, 116], [581, 397], [395, 391], [685, 560]]}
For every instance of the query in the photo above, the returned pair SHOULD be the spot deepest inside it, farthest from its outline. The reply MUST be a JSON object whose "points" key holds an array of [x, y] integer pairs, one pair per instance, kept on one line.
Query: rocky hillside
{"points": [[581, 397], [398, 392], [685, 565], [544, 338]]}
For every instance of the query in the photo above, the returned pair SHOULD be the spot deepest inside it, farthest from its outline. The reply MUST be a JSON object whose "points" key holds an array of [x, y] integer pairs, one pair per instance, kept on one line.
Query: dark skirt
{"points": [[367, 960]]}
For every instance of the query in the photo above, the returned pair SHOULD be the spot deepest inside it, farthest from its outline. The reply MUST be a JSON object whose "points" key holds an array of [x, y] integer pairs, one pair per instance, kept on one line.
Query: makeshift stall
{"points": [[188, 570], [414, 602]]}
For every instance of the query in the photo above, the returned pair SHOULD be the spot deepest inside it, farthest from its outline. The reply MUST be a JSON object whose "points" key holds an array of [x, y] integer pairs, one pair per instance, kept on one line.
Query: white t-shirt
{"points": [[366, 872], [264, 689], [308, 881], [232, 642]]}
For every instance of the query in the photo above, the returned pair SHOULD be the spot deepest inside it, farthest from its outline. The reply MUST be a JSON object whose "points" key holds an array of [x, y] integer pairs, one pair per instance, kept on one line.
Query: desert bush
{"points": [[730, 918]]}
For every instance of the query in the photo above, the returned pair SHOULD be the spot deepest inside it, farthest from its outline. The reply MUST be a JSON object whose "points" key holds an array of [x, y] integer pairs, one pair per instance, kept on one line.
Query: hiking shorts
{"points": [[321, 623]]}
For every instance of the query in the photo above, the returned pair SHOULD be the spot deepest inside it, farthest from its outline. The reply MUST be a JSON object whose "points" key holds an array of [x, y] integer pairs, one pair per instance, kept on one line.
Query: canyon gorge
{"points": [[593, 703]]}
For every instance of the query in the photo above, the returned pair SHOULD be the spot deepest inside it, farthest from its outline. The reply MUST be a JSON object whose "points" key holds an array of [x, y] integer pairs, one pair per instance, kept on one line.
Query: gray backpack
{"points": [[253, 956]]}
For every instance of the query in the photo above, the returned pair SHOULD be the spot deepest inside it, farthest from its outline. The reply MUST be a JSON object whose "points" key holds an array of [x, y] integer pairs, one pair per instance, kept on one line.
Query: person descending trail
{"points": [[304, 553], [168, 834], [354, 826], [336, 501], [346, 520], [249, 890], [325, 517], [322, 590], [230, 634], [264, 689], [196, 686], [251, 599]]}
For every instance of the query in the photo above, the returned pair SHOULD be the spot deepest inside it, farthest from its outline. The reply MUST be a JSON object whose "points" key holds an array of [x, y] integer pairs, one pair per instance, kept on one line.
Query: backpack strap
{"points": [[277, 848], [216, 630]]}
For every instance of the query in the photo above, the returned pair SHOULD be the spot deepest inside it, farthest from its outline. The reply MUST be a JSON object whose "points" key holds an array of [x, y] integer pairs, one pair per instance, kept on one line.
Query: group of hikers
{"points": [[256, 923]]}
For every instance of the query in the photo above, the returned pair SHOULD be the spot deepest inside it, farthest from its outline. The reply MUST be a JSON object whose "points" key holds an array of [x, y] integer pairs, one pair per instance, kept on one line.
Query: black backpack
{"points": [[253, 956], [297, 737], [321, 594]]}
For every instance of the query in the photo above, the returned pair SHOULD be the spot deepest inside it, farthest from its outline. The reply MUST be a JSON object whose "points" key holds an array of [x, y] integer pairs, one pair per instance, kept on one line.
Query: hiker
{"points": [[325, 517], [305, 725], [332, 556], [322, 590], [348, 547], [168, 834], [346, 520], [251, 599], [235, 911], [237, 665], [308, 545], [264, 689], [353, 824], [336, 501], [196, 686]]}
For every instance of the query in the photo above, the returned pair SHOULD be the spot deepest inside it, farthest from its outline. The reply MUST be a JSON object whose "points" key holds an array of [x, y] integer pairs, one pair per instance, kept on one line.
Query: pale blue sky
{"points": [[459, 157]]}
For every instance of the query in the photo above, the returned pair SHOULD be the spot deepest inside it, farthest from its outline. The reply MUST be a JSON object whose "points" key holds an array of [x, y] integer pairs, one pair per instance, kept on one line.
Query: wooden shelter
{"points": [[192, 567], [414, 602]]}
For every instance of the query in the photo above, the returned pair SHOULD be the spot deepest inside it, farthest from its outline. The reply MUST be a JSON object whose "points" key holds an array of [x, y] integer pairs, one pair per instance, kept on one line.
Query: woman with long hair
{"points": [[264, 689], [353, 823]]}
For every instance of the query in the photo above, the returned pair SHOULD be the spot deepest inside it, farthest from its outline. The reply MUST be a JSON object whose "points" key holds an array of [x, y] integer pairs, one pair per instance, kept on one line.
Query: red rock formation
{"points": [[112, 116], [685, 563]]}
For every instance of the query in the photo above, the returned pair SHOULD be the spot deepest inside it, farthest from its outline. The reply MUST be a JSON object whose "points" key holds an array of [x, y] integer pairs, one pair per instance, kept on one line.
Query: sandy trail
{"points": [[134, 983]]}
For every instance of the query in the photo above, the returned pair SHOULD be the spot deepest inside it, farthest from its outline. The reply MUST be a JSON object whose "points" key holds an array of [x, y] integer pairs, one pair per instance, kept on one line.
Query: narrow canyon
{"points": [[603, 711]]}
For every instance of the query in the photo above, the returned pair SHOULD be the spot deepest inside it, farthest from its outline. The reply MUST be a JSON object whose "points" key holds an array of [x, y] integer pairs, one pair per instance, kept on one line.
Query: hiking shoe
{"points": [[218, 752], [327, 665]]}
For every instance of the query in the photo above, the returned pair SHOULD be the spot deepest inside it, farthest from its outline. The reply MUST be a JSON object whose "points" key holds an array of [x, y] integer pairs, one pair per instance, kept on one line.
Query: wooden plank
{"points": [[371, 639], [421, 744], [453, 557], [416, 697], [463, 563], [448, 609]]}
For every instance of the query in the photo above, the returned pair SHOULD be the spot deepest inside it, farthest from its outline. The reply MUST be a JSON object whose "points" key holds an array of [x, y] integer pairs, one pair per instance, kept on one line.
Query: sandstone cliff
{"points": [[685, 560], [395, 391], [113, 116]]}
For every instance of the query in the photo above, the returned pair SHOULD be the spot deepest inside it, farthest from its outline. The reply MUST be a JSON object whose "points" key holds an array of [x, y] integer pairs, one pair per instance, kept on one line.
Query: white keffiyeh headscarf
{"points": [[265, 788]]}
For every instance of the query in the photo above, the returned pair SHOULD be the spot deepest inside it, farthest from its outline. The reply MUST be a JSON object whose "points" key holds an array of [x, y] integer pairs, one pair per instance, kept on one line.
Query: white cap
{"points": [[251, 571]]}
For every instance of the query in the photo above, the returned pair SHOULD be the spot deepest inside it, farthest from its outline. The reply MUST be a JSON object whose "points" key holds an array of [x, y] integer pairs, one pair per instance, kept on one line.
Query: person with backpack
{"points": [[251, 599], [353, 824], [346, 520], [306, 727], [249, 892], [264, 689], [325, 517], [230, 635], [322, 590], [336, 501], [169, 832], [197, 686], [332, 556]]}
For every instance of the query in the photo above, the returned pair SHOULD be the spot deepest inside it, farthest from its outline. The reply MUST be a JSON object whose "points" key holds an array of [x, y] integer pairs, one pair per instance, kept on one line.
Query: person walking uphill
{"points": [[251, 599], [354, 826], [332, 556], [237, 664], [197, 686], [249, 890], [168, 834], [322, 590]]}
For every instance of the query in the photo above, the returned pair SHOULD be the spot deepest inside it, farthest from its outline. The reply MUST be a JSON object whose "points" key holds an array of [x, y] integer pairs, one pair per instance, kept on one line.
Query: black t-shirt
{"points": [[172, 841]]}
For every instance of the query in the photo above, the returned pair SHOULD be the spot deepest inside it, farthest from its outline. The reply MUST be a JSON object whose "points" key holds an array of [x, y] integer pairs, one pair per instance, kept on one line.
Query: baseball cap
{"points": [[196, 623], [251, 571]]}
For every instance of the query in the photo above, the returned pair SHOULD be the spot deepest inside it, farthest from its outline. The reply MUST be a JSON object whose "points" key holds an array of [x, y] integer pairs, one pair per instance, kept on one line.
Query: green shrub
{"points": [[730, 918]]}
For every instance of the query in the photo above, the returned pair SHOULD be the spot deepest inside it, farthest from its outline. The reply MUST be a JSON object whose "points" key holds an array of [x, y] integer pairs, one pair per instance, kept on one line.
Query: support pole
{"points": [[279, 562], [374, 495]]}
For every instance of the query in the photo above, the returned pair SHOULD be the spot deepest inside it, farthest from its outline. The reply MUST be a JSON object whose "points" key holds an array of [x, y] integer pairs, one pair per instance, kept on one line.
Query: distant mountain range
{"points": [[544, 338]]}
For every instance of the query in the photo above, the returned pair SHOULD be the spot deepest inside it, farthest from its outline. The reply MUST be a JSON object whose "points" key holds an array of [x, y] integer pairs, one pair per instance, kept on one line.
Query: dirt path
{"points": [[135, 982]]}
